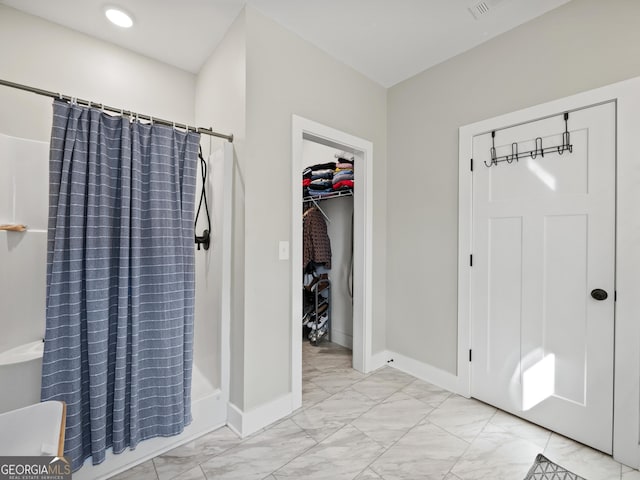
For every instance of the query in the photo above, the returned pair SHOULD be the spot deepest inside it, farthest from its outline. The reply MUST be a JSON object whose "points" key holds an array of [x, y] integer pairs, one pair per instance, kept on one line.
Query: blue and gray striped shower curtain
{"points": [[120, 279]]}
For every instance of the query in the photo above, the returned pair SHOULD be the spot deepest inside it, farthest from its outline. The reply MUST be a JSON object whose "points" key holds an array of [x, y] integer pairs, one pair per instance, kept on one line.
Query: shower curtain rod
{"points": [[46, 93]]}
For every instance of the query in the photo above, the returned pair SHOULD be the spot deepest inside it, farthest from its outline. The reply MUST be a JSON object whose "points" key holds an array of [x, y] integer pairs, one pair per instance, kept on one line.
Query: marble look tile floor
{"points": [[385, 425]]}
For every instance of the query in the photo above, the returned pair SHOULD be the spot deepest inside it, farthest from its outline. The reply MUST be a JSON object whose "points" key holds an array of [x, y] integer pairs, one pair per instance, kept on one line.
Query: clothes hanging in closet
{"points": [[316, 246]]}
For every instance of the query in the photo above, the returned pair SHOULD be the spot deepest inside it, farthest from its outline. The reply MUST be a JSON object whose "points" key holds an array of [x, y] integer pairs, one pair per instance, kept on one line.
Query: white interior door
{"points": [[543, 239]]}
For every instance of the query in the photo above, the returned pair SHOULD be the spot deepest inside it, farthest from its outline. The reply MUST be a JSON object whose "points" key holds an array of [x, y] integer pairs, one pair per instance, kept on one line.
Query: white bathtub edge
{"points": [[208, 415], [22, 353]]}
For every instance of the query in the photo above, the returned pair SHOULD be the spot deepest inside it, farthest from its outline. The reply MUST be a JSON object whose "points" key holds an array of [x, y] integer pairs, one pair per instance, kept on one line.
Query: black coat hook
{"points": [[492, 151], [539, 149], [566, 137], [514, 153]]}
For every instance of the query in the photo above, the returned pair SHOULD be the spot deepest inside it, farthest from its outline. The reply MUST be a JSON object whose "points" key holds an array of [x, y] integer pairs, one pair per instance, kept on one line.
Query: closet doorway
{"points": [[313, 138]]}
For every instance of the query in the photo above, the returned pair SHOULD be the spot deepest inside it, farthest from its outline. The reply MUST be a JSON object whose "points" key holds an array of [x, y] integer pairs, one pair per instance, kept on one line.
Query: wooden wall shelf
{"points": [[13, 227]]}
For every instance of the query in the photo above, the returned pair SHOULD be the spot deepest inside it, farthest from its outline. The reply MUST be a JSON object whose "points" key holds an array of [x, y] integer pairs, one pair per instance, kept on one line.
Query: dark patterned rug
{"points": [[545, 469]]}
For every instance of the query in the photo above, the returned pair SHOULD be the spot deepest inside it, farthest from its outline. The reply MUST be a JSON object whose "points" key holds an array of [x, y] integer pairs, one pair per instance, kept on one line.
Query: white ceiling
{"points": [[386, 40]]}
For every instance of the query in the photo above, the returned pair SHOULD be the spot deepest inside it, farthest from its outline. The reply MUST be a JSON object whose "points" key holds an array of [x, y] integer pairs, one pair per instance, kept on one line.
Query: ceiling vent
{"points": [[483, 7]]}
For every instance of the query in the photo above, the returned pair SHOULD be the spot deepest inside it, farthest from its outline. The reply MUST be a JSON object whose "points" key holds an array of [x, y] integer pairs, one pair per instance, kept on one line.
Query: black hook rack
{"points": [[539, 150]]}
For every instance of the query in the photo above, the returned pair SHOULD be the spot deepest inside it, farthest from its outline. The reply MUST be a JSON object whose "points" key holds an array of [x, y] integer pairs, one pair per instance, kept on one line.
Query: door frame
{"points": [[626, 94], [305, 129]]}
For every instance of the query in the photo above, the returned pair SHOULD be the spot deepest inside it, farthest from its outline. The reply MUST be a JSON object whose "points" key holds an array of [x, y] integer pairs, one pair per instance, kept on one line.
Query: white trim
{"points": [[247, 423], [227, 226], [234, 419], [380, 359], [365, 184], [465, 202], [298, 125], [423, 371], [363, 244], [626, 432]]}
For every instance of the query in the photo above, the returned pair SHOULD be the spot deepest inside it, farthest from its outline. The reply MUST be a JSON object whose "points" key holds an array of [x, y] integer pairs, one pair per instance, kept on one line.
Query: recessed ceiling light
{"points": [[118, 17]]}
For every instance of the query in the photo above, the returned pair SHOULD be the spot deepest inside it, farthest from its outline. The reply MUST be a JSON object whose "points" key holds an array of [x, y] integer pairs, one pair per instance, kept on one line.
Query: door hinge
{"points": [[472, 164], [471, 260], [469, 354], [615, 295]]}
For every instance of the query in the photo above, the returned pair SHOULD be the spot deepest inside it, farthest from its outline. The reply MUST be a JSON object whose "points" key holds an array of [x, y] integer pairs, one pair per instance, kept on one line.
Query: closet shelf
{"points": [[13, 227], [339, 193]]}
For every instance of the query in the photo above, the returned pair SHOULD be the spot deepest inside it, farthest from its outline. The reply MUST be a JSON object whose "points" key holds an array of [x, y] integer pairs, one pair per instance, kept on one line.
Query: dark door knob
{"points": [[599, 294]]}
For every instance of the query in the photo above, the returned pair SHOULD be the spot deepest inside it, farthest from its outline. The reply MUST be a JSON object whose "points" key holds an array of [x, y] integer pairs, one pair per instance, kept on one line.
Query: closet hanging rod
{"points": [[66, 98]]}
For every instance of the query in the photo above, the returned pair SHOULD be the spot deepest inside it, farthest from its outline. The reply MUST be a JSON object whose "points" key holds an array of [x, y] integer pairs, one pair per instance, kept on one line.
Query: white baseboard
{"points": [[341, 338], [234, 419], [379, 360], [424, 371], [246, 423]]}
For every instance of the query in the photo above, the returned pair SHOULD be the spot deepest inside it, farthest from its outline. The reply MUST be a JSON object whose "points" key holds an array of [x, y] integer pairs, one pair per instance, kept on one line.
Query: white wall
{"points": [[340, 211], [285, 76], [581, 45], [220, 103], [44, 55]]}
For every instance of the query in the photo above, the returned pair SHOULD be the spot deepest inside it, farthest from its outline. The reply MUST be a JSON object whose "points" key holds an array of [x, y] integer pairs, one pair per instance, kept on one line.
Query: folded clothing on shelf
{"points": [[343, 175], [343, 185], [323, 166], [324, 179], [319, 171], [325, 173], [321, 183]]}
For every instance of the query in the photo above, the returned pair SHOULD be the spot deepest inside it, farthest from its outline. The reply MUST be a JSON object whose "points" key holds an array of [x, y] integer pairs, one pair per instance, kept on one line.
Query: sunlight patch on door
{"points": [[543, 175], [538, 382]]}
